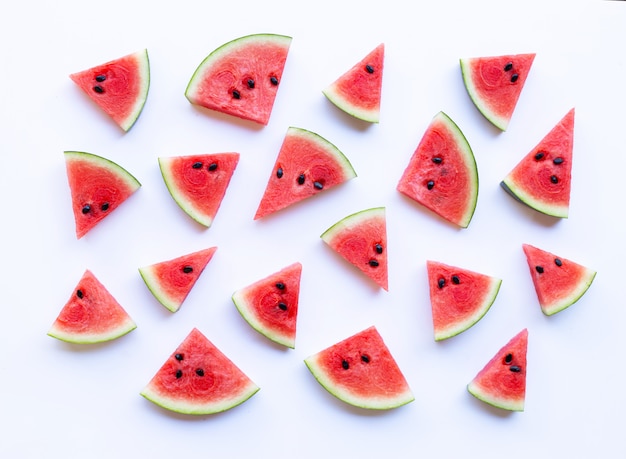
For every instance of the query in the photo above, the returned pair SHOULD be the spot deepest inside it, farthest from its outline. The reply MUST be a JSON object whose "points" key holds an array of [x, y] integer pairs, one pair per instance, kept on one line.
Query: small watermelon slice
{"points": [[98, 186], [241, 77], [361, 371], [502, 382], [198, 183], [307, 164], [91, 315], [358, 91], [495, 83], [119, 87], [442, 174], [542, 179], [361, 239], [270, 305], [559, 282], [171, 281], [199, 379], [459, 297]]}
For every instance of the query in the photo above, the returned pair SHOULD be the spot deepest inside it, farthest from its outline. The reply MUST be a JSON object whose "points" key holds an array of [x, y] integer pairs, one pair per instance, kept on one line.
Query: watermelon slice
{"points": [[119, 87], [198, 183], [171, 281], [361, 371], [307, 164], [559, 282], [270, 305], [91, 315], [98, 186], [542, 179], [361, 239], [459, 297], [442, 174], [502, 382], [495, 83], [241, 77], [199, 379], [358, 91]]}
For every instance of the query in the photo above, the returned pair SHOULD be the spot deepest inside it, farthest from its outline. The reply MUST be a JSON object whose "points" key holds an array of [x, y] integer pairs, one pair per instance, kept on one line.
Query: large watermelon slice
{"points": [[119, 87], [459, 297], [91, 315], [171, 281], [361, 239], [495, 83], [358, 91], [199, 379], [559, 282], [442, 174], [241, 77], [361, 371], [307, 164], [542, 179], [98, 186], [502, 382], [198, 183], [270, 305]]}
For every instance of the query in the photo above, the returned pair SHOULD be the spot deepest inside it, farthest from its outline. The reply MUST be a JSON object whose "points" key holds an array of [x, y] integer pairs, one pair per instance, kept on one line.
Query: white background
{"points": [[59, 400]]}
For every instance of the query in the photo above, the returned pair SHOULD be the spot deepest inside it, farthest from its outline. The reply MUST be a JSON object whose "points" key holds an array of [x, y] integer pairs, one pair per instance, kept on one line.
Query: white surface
{"points": [[66, 401]]}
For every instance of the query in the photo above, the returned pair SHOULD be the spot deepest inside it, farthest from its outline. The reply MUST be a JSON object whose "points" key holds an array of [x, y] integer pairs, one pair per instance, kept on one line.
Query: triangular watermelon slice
{"points": [[241, 77], [361, 371], [459, 297], [198, 183], [502, 382], [98, 186], [270, 305], [307, 164], [91, 315], [199, 379], [542, 179], [559, 282], [442, 174], [119, 87], [358, 91], [361, 239], [495, 83], [171, 281]]}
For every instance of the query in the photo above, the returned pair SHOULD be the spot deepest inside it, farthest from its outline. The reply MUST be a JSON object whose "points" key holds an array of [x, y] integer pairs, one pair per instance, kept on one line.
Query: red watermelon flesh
{"points": [[502, 382], [542, 179], [270, 305], [241, 78], [199, 379], [198, 183], [91, 315], [171, 281]]}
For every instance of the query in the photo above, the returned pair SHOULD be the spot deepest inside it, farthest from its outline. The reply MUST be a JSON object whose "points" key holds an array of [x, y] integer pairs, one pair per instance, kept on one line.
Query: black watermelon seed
{"points": [[300, 179], [197, 165], [437, 160], [378, 248], [430, 185], [539, 269], [104, 207], [187, 269], [99, 89], [100, 78], [365, 358], [79, 293], [558, 161], [279, 172], [515, 369], [508, 358], [179, 374], [540, 155], [212, 166], [558, 262], [199, 371], [179, 357], [318, 185], [514, 77], [369, 69], [508, 67], [373, 263], [456, 280], [441, 282], [282, 306], [86, 208], [274, 80], [345, 364], [554, 179], [280, 286], [250, 83], [236, 94]]}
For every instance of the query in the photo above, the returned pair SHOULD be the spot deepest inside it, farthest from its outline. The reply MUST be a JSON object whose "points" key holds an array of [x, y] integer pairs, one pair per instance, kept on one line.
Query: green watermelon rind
{"points": [[518, 193], [143, 62], [152, 282], [498, 402], [94, 338], [566, 302], [104, 163]]}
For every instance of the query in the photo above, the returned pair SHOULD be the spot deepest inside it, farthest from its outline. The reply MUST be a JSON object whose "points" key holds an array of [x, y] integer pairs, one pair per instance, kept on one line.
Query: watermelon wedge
{"points": [[559, 282], [198, 379], [119, 87], [171, 281], [442, 174], [495, 83], [361, 371], [502, 382], [361, 239], [459, 297], [98, 186], [358, 91], [91, 315], [307, 164], [198, 183], [543, 178], [241, 77], [270, 305]]}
